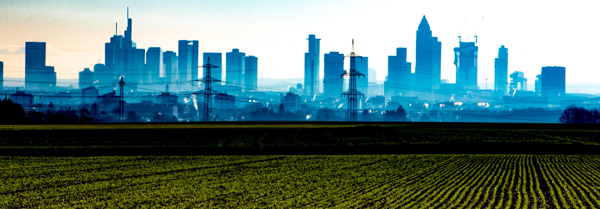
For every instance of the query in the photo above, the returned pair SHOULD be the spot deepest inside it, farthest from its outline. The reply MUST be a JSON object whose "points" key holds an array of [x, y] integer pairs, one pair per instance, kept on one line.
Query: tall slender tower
{"points": [[428, 59], [501, 71], [311, 66], [353, 94]]}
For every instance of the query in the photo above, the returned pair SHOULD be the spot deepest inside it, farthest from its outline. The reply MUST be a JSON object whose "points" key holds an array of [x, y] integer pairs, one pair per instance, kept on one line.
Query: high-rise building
{"points": [[333, 82], [465, 59], [170, 63], [215, 59], [501, 71], [138, 65], [86, 78], [154, 65], [48, 78], [428, 59], [399, 75], [251, 73], [553, 82], [1, 76], [311, 66], [187, 63], [234, 69], [122, 58], [362, 66], [35, 64]]}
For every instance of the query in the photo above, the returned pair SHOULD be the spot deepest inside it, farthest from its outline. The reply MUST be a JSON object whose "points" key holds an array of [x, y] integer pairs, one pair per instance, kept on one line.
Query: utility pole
{"points": [[208, 92], [352, 94], [121, 100]]}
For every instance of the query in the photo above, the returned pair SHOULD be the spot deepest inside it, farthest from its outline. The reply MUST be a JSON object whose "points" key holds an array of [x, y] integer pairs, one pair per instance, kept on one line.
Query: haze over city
{"points": [[537, 34]]}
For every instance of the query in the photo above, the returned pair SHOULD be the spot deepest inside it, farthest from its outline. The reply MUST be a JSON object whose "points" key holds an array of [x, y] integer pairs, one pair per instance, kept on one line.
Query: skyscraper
{"points": [[86, 78], [187, 64], [47, 78], [333, 83], [362, 66], [170, 63], [234, 71], [251, 74], [553, 82], [465, 59], [35, 63], [428, 59], [399, 75], [501, 71], [215, 59], [122, 58], [311, 66], [154, 65]]}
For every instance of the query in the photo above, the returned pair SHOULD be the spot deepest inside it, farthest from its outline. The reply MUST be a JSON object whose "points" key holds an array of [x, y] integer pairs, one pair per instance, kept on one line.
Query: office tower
{"points": [[113, 60], [235, 64], [154, 65], [465, 59], [35, 63], [215, 59], [372, 75], [48, 78], [428, 59], [170, 63], [187, 63], [553, 82], [138, 65], [311, 66], [1, 76], [251, 73], [86, 78], [501, 70], [333, 82], [399, 75], [89, 95], [362, 66]]}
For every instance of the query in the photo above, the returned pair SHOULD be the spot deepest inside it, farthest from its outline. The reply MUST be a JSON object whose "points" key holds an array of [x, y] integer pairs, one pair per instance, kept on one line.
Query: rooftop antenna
{"points": [[127, 12], [116, 29]]}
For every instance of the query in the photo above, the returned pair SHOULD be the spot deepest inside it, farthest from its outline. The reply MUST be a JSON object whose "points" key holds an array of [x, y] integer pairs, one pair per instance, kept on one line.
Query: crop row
{"points": [[390, 181]]}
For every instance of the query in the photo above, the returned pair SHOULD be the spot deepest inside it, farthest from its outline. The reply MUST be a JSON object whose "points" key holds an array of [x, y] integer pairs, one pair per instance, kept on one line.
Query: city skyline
{"points": [[278, 49]]}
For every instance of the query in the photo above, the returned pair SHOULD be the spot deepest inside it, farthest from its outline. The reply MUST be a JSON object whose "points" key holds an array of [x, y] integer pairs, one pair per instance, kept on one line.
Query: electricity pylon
{"points": [[121, 100], [352, 94], [208, 92]]}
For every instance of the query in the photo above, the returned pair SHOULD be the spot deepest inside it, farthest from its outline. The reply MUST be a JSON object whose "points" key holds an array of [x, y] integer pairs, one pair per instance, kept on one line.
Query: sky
{"points": [[536, 33]]}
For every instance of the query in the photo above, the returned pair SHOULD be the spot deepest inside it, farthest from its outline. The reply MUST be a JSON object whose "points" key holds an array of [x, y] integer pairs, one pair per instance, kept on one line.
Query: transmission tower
{"points": [[208, 92], [121, 100], [352, 94]]}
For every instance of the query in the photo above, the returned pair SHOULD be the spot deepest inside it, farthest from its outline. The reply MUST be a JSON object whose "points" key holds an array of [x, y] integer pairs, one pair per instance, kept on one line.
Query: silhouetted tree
{"points": [[10, 112], [398, 115], [579, 115]]}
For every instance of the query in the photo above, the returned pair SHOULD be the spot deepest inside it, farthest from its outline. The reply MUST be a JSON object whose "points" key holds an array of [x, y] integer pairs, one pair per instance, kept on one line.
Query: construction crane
{"points": [[208, 92], [352, 94]]}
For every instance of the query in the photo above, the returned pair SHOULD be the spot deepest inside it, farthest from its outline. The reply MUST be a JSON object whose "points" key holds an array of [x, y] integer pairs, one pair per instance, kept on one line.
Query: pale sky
{"points": [[536, 33]]}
